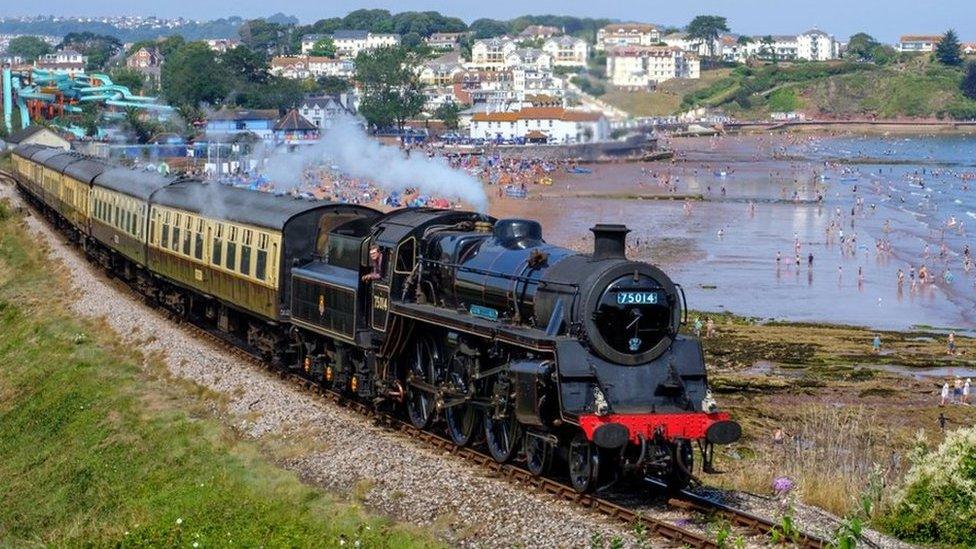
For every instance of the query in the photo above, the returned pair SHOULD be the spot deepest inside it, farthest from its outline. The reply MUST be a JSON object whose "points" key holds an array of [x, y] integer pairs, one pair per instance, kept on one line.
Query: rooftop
{"points": [[244, 114], [293, 121], [538, 113]]}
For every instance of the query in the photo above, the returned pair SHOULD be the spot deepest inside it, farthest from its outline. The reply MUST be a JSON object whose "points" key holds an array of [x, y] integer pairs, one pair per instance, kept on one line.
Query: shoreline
{"points": [[865, 127]]}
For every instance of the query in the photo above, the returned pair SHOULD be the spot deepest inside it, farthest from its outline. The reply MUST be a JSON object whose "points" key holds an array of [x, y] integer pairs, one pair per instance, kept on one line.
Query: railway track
{"points": [[620, 512]]}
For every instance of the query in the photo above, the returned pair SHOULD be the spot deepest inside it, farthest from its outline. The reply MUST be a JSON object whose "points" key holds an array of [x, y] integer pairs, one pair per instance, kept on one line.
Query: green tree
{"points": [[170, 44], [766, 48], [707, 28], [968, 84], [98, 48], [325, 47], [141, 127], [89, 118], [488, 28], [448, 114], [245, 66], [949, 52], [860, 46], [882, 54], [391, 92], [333, 84], [28, 47], [265, 37], [192, 75], [129, 78]]}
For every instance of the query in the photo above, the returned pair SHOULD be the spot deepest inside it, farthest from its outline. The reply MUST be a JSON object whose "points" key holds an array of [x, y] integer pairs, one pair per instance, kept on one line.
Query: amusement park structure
{"points": [[47, 94]]}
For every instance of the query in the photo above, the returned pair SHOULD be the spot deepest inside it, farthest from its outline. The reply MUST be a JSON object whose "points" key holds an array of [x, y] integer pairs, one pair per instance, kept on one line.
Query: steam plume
{"points": [[348, 146]]}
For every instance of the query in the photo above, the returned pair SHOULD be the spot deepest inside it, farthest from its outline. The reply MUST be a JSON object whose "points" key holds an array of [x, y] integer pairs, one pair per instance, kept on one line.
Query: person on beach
{"points": [[876, 344], [698, 326], [942, 422], [965, 391], [810, 261], [944, 394], [957, 390], [709, 327], [951, 346]]}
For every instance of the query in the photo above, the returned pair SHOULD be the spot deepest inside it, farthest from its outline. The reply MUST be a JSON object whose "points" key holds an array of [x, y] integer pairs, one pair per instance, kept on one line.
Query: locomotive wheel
{"points": [[504, 436], [462, 423], [420, 403], [584, 464], [538, 454]]}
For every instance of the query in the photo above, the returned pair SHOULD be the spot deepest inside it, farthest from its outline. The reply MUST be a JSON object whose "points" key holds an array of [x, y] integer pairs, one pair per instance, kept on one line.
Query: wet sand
{"points": [[736, 271]]}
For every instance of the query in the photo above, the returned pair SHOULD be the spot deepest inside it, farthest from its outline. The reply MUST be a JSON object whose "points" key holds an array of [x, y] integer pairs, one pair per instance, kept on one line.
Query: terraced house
{"points": [[567, 51], [640, 67], [627, 34]]}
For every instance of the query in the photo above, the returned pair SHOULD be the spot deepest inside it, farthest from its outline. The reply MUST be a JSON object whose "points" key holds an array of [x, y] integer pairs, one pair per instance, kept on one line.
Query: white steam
{"points": [[356, 154]]}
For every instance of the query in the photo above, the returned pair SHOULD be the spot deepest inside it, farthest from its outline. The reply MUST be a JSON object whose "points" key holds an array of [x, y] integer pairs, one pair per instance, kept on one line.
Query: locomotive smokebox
{"points": [[609, 241]]}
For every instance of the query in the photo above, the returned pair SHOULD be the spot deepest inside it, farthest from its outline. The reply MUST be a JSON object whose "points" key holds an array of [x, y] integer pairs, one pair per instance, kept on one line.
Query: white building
{"points": [[627, 34], [311, 66], [442, 71], [528, 58], [640, 67], [490, 54], [567, 51], [444, 40], [221, 45], [550, 124], [323, 111], [349, 43], [64, 60], [915, 43], [685, 42], [816, 45]]}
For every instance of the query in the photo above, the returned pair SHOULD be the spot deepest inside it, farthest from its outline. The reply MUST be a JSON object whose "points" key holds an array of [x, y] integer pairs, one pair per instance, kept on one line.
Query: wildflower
{"points": [[782, 486], [179, 521], [195, 544]]}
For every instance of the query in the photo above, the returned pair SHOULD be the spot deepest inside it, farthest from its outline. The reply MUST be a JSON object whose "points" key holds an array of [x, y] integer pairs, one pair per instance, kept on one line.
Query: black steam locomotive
{"points": [[460, 320]]}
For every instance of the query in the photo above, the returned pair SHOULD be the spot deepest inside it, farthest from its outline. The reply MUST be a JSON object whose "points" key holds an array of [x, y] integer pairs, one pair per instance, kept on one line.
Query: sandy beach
{"points": [[716, 217]]}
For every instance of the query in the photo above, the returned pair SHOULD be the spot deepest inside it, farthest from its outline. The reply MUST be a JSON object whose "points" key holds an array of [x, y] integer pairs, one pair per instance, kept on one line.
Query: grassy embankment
{"points": [[844, 420], [666, 99], [913, 88], [98, 446]]}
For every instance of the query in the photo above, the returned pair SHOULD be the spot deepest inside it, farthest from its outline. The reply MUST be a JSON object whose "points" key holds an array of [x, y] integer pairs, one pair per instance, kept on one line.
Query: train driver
{"points": [[376, 264]]}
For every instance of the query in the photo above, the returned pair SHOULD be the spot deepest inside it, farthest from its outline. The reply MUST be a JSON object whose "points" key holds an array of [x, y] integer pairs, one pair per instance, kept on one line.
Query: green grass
{"points": [[915, 87], [665, 99], [98, 450]]}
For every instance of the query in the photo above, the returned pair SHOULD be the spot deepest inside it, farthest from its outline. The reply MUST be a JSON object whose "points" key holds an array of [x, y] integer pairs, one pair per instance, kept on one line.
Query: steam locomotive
{"points": [[461, 321]]}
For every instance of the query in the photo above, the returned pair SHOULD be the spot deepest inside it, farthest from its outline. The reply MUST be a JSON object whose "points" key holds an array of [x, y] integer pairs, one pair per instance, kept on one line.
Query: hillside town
{"points": [[532, 83]]}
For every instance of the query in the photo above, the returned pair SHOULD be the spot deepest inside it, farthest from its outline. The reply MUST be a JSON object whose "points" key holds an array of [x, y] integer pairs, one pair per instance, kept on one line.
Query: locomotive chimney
{"points": [[609, 241]]}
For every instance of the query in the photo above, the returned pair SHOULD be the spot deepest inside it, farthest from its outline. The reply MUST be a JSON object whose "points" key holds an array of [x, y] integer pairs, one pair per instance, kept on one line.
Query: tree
{"points": [[245, 65], [333, 84], [949, 52], [860, 46], [169, 45], [391, 92], [488, 28], [192, 76], [143, 129], [129, 78], [448, 114], [98, 48], [324, 48], [968, 84], [89, 118], [707, 28], [28, 47], [265, 37], [766, 49]]}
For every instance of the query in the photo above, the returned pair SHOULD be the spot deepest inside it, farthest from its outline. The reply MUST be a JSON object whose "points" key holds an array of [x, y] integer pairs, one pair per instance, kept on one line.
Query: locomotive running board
{"points": [[521, 336]]}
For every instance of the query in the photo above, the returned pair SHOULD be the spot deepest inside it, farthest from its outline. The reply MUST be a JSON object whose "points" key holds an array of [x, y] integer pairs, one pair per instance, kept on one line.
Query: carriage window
{"points": [[176, 238], [198, 247], [186, 243], [232, 255], [261, 264], [216, 252], [165, 240], [245, 260]]}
